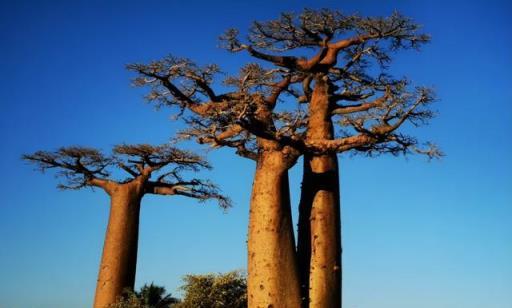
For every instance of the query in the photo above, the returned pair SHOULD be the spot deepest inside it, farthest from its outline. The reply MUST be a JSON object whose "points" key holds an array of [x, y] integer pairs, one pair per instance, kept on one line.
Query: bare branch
{"points": [[128, 169], [316, 29], [157, 157], [78, 166], [248, 115], [197, 189], [347, 109]]}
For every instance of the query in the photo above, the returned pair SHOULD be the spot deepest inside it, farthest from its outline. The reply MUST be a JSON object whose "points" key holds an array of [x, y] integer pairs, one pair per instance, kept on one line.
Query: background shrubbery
{"points": [[199, 291]]}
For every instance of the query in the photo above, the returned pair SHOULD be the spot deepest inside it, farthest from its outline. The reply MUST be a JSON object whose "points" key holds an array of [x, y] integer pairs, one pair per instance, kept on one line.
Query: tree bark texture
{"points": [[119, 259], [273, 280], [320, 253]]}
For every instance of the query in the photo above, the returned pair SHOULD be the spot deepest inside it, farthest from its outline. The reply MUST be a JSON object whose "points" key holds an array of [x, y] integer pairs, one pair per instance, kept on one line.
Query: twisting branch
{"points": [[347, 109], [374, 124], [318, 29], [215, 118], [128, 169], [238, 119], [197, 189]]}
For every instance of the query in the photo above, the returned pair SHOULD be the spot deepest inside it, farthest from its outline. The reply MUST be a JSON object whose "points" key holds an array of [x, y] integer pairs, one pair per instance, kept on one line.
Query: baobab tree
{"points": [[151, 170], [215, 118], [247, 119], [345, 50]]}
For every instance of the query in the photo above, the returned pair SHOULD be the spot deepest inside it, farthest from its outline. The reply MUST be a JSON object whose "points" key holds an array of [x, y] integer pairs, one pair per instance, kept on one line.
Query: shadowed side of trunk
{"points": [[272, 266], [119, 259], [304, 230]]}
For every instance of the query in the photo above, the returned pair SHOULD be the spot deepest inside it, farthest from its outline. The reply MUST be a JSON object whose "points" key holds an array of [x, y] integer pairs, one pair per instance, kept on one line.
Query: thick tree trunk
{"points": [[273, 280], [119, 259], [325, 240], [320, 198]]}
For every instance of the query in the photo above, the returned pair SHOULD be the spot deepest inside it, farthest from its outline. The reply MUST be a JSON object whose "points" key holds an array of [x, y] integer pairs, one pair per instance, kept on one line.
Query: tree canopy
{"points": [[161, 167], [350, 53]]}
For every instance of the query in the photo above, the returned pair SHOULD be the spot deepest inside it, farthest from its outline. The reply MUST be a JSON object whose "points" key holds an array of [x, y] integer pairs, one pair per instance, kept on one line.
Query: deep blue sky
{"points": [[416, 233]]}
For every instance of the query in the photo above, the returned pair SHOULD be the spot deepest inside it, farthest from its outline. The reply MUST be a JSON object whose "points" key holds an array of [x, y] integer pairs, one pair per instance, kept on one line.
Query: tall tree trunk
{"points": [[325, 263], [119, 259], [273, 280], [320, 197]]}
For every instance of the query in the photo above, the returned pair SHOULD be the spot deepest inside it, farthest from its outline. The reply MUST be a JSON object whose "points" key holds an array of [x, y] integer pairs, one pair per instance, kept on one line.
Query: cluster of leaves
{"points": [[200, 291], [214, 291]]}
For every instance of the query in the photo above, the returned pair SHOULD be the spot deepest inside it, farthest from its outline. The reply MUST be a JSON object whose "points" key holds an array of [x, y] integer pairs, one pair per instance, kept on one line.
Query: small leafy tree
{"points": [[214, 291]]}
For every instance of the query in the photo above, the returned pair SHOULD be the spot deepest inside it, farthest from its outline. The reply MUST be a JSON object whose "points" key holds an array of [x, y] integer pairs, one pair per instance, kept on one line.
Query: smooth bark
{"points": [[273, 280], [325, 239], [319, 211], [119, 259]]}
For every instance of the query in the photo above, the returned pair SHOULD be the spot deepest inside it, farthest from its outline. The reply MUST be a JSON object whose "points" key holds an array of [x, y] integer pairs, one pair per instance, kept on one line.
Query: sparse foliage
{"points": [[77, 165], [161, 167], [356, 43], [347, 48]]}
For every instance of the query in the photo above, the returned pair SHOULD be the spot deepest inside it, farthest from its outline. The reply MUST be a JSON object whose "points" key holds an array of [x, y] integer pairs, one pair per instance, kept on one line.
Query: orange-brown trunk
{"points": [[320, 252], [272, 265], [119, 259], [325, 237]]}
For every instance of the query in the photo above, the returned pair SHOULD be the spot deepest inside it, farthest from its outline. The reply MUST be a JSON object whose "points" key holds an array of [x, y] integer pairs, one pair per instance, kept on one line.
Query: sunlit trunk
{"points": [[320, 253], [325, 239], [119, 259], [272, 264]]}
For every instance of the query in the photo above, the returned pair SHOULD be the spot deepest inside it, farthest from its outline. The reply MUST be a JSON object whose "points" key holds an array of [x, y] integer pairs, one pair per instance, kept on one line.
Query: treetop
{"points": [[368, 104], [160, 168]]}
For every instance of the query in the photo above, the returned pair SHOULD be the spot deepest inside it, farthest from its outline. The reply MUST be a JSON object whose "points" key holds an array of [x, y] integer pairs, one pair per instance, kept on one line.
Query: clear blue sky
{"points": [[416, 234]]}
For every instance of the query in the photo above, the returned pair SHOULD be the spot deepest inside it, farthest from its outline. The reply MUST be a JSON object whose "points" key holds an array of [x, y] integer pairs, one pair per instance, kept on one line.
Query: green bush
{"points": [[200, 291], [214, 291]]}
